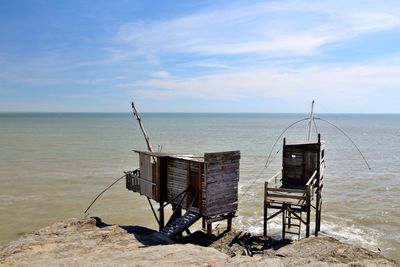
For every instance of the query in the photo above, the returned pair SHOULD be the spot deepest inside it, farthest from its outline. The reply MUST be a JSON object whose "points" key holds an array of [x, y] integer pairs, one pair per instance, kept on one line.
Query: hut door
{"points": [[293, 168], [195, 185]]}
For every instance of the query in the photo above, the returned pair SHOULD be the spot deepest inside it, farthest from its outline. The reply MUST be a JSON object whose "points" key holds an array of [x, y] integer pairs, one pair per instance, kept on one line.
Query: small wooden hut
{"points": [[297, 188], [204, 186]]}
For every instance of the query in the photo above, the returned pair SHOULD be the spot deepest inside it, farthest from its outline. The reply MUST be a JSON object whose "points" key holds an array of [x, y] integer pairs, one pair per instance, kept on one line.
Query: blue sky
{"points": [[200, 56]]}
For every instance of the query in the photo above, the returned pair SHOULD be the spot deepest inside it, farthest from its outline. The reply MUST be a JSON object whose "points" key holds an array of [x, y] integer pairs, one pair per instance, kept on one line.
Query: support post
{"points": [[308, 207], [319, 216], [265, 209], [152, 209], [318, 223], [229, 223], [283, 221], [203, 223], [161, 215], [209, 228], [317, 211], [265, 219]]}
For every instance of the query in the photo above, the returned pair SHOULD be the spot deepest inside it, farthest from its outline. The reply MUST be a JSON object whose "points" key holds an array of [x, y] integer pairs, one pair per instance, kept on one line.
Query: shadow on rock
{"points": [[256, 244], [235, 243], [146, 236]]}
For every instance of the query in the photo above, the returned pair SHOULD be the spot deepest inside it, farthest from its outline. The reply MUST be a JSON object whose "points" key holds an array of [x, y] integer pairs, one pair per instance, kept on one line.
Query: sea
{"points": [[52, 165]]}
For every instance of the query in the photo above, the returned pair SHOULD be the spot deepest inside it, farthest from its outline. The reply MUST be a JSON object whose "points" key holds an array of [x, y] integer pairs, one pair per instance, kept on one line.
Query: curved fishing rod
{"points": [[330, 123], [279, 137], [348, 137], [102, 192]]}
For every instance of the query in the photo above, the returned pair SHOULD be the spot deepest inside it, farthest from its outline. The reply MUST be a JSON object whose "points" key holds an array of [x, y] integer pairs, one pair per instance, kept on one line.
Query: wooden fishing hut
{"points": [[204, 186], [297, 188]]}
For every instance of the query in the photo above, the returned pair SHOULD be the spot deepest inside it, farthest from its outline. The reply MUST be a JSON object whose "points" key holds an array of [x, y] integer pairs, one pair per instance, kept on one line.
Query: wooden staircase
{"points": [[180, 224], [292, 224]]}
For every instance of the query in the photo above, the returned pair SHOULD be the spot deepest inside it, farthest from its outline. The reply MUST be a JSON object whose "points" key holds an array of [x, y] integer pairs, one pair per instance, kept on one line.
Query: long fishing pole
{"points": [[149, 147], [310, 121], [139, 119]]}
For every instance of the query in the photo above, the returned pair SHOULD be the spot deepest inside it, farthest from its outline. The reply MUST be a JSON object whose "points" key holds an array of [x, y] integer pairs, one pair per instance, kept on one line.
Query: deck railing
{"points": [[137, 184]]}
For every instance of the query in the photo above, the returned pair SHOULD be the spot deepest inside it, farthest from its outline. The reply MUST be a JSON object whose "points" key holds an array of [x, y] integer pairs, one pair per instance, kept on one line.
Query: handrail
{"points": [[180, 204], [312, 178], [191, 202], [135, 176], [274, 177], [169, 202]]}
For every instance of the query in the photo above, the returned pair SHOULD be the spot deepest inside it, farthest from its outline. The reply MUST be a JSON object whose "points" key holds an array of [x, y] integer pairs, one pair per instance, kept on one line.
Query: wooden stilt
{"points": [[317, 212], [265, 209], [265, 219], [209, 228], [283, 222], [161, 216], [308, 207], [229, 223], [203, 223]]}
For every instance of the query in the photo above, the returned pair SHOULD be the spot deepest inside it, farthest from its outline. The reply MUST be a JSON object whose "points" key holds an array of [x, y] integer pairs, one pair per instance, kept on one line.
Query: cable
{"points": [[272, 159], [279, 137], [348, 137], [270, 153], [116, 181]]}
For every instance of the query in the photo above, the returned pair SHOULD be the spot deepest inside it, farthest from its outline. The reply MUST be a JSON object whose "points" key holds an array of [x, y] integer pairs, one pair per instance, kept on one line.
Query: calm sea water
{"points": [[52, 165]]}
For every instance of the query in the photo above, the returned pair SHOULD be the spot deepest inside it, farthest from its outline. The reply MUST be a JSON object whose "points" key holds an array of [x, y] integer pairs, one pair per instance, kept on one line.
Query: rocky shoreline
{"points": [[83, 242]]}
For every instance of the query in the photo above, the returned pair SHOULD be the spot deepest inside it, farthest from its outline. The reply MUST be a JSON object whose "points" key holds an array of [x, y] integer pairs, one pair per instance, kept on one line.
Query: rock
{"points": [[83, 242]]}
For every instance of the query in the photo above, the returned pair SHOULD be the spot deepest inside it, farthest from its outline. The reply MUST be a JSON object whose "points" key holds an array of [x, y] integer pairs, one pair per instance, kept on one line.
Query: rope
{"points": [[113, 183]]}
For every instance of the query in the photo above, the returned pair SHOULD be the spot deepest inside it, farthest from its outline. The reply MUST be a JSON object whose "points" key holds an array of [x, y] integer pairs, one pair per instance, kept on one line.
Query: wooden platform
{"points": [[297, 188]]}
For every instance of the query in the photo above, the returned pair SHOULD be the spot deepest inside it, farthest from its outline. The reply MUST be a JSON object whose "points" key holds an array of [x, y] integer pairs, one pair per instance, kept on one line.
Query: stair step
{"points": [[293, 233], [180, 224], [292, 225]]}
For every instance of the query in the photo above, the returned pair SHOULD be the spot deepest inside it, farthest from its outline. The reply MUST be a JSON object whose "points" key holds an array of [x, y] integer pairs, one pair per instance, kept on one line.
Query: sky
{"points": [[200, 56]]}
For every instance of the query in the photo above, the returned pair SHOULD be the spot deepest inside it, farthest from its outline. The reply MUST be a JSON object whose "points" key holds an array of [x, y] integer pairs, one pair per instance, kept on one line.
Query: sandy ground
{"points": [[89, 242]]}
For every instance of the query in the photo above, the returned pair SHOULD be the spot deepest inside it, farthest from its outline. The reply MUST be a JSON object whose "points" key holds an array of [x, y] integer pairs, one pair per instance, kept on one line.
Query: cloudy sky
{"points": [[200, 56]]}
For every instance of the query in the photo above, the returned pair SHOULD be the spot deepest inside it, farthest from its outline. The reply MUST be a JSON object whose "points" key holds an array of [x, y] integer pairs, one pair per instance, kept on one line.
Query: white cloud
{"points": [[162, 74], [275, 28], [330, 82]]}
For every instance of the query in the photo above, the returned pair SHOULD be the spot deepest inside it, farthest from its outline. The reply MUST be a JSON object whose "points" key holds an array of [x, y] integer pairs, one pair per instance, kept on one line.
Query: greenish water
{"points": [[53, 164]]}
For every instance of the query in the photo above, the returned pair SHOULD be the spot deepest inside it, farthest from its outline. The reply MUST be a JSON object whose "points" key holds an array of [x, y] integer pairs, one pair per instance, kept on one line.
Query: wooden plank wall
{"points": [[177, 178], [146, 175], [221, 184], [299, 163]]}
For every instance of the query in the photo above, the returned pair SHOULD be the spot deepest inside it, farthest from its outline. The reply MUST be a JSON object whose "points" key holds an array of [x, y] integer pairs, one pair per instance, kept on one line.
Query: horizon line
{"points": [[191, 112]]}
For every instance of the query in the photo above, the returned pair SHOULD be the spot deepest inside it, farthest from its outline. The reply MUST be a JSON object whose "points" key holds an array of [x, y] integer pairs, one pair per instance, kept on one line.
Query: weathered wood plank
{"points": [[221, 156], [299, 191], [272, 196]]}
